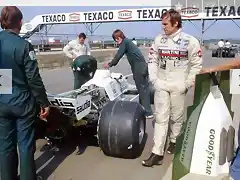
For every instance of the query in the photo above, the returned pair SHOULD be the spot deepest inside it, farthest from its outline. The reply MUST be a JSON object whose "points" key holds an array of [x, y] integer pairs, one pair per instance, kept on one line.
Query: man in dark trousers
{"points": [[19, 108], [138, 65]]}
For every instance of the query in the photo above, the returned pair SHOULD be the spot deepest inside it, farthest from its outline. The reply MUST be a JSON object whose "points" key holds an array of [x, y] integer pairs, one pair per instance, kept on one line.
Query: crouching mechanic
{"points": [[174, 60], [84, 67], [73, 50]]}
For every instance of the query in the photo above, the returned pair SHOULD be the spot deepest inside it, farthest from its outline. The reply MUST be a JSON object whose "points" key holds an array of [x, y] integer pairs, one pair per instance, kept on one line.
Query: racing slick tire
{"points": [[122, 129]]}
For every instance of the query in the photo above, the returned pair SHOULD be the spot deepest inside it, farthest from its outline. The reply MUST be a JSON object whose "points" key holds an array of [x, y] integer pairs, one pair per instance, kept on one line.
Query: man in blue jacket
{"points": [[138, 65], [19, 109], [84, 68]]}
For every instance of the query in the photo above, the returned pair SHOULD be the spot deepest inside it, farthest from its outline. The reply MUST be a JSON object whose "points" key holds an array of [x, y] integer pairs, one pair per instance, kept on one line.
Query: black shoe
{"points": [[171, 148], [154, 159]]}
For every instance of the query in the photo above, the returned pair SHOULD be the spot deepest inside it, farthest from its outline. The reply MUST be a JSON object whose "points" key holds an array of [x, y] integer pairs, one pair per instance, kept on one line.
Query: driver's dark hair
{"points": [[82, 35], [11, 17], [118, 33], [174, 16]]}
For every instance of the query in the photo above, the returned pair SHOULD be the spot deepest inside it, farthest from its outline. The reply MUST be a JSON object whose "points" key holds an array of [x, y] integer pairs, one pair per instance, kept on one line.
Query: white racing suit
{"points": [[173, 63]]}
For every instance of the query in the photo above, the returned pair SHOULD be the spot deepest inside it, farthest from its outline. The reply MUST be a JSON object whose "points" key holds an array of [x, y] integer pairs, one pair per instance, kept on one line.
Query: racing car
{"points": [[107, 102], [226, 53]]}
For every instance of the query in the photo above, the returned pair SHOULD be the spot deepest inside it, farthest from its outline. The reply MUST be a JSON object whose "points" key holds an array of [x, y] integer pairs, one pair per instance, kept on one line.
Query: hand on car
{"points": [[106, 66], [44, 112], [204, 70]]}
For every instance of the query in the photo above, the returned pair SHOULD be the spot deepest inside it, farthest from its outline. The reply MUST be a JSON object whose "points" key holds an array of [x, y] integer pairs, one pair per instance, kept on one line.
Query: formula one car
{"points": [[226, 53], [106, 102]]}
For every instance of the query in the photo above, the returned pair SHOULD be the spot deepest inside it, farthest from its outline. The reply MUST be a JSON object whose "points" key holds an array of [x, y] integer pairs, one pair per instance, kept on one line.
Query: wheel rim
{"points": [[141, 131]]}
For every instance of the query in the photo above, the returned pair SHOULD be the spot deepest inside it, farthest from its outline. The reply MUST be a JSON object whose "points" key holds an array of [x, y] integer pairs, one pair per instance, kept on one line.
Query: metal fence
{"points": [[41, 41]]}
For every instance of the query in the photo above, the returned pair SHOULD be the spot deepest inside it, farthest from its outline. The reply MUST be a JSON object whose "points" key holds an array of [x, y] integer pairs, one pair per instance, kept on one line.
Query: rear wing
{"points": [[81, 104]]}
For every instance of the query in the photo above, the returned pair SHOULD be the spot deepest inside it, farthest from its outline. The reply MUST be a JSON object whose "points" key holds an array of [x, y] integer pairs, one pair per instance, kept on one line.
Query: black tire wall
{"points": [[118, 129]]}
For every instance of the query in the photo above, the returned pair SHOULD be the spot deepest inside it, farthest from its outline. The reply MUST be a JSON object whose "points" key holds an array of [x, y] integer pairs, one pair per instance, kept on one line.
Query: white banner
{"points": [[140, 14]]}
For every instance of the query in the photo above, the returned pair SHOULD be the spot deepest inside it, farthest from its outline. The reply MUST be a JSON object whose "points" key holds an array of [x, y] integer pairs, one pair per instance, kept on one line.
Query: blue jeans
{"points": [[17, 131], [235, 166]]}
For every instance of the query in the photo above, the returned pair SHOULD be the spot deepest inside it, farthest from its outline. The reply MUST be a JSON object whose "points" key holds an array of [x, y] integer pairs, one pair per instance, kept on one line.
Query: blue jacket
{"points": [[27, 86], [134, 56]]}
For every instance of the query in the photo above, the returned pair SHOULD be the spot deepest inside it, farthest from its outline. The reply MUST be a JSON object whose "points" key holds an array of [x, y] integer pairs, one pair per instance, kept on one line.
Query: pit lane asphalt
{"points": [[93, 164]]}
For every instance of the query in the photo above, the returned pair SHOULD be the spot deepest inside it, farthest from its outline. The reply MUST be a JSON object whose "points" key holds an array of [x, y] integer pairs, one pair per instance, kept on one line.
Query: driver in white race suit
{"points": [[174, 60]]}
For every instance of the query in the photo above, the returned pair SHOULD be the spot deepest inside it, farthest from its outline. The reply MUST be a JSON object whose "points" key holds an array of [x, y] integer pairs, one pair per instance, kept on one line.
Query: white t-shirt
{"points": [[220, 44], [227, 44]]}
